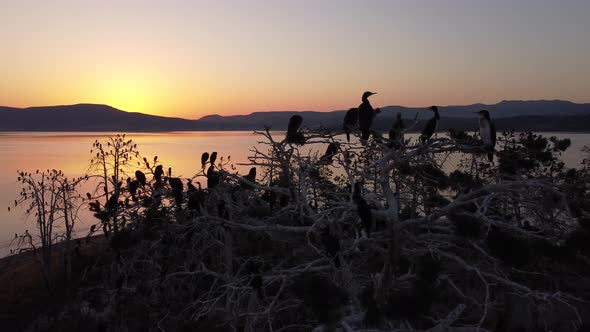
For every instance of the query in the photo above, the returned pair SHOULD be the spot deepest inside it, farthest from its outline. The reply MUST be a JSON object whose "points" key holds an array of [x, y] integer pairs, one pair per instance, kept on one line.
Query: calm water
{"points": [[70, 152]]}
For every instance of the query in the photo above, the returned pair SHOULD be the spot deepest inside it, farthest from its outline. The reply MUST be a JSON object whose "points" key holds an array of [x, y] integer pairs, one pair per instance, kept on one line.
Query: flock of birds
{"points": [[362, 117], [356, 119]]}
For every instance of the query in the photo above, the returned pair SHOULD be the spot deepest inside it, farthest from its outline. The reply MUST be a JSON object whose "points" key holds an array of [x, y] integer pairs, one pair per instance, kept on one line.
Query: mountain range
{"points": [[536, 115]]}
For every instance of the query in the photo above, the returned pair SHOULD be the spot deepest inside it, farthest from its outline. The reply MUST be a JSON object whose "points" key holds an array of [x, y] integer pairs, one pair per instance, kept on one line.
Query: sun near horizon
{"points": [[191, 59]]}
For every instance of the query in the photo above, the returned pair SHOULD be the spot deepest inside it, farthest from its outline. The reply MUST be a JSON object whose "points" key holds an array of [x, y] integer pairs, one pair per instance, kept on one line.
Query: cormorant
{"points": [[294, 136], [350, 120], [140, 176], [112, 203], [366, 115], [213, 158], [204, 158], [331, 151], [251, 175], [158, 173], [177, 189], [487, 131], [191, 188], [430, 127], [212, 177], [396, 133], [363, 208], [133, 186], [197, 199]]}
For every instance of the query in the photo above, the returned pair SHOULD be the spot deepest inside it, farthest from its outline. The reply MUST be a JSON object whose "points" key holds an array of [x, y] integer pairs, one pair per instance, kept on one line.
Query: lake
{"points": [[70, 152]]}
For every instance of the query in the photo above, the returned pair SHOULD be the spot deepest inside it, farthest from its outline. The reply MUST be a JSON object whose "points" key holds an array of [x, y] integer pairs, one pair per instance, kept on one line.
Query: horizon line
{"points": [[298, 111]]}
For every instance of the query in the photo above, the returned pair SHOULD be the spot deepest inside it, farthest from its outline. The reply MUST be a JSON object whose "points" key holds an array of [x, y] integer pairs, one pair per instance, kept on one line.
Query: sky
{"points": [[192, 58]]}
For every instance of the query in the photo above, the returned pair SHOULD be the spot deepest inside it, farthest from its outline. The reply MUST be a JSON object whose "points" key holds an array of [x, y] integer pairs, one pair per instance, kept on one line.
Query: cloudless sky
{"points": [[191, 58]]}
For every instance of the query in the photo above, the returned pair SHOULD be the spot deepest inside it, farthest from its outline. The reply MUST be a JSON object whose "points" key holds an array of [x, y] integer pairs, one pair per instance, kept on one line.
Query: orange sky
{"points": [[192, 58]]}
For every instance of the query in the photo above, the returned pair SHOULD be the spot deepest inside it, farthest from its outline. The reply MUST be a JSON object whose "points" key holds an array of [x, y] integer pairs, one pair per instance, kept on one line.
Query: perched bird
{"points": [[204, 158], [212, 177], [366, 115], [191, 188], [430, 127], [396, 133], [294, 136], [487, 131], [350, 120], [133, 186], [140, 176], [197, 199], [112, 203], [363, 208], [158, 173], [177, 189], [331, 151], [213, 158], [251, 175]]}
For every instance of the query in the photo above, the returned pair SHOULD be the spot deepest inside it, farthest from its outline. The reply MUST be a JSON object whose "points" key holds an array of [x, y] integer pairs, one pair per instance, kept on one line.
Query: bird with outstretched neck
{"points": [[366, 114], [430, 127], [487, 132], [396, 133]]}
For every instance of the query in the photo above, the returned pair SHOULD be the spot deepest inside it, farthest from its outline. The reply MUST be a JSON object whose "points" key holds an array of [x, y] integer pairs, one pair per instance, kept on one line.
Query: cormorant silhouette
{"points": [[204, 158], [366, 115], [212, 177], [331, 151], [158, 173], [177, 189], [213, 158], [294, 136], [363, 208], [112, 203], [133, 185], [197, 199], [251, 176], [396, 133], [191, 188], [430, 127], [140, 176], [487, 131], [350, 121]]}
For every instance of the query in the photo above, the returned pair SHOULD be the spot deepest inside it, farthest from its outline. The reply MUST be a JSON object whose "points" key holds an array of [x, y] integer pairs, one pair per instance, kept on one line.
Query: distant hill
{"points": [[538, 115], [85, 117]]}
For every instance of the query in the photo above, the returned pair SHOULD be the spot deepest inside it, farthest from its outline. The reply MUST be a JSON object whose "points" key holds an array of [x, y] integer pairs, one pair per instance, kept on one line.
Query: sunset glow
{"points": [[193, 58]]}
